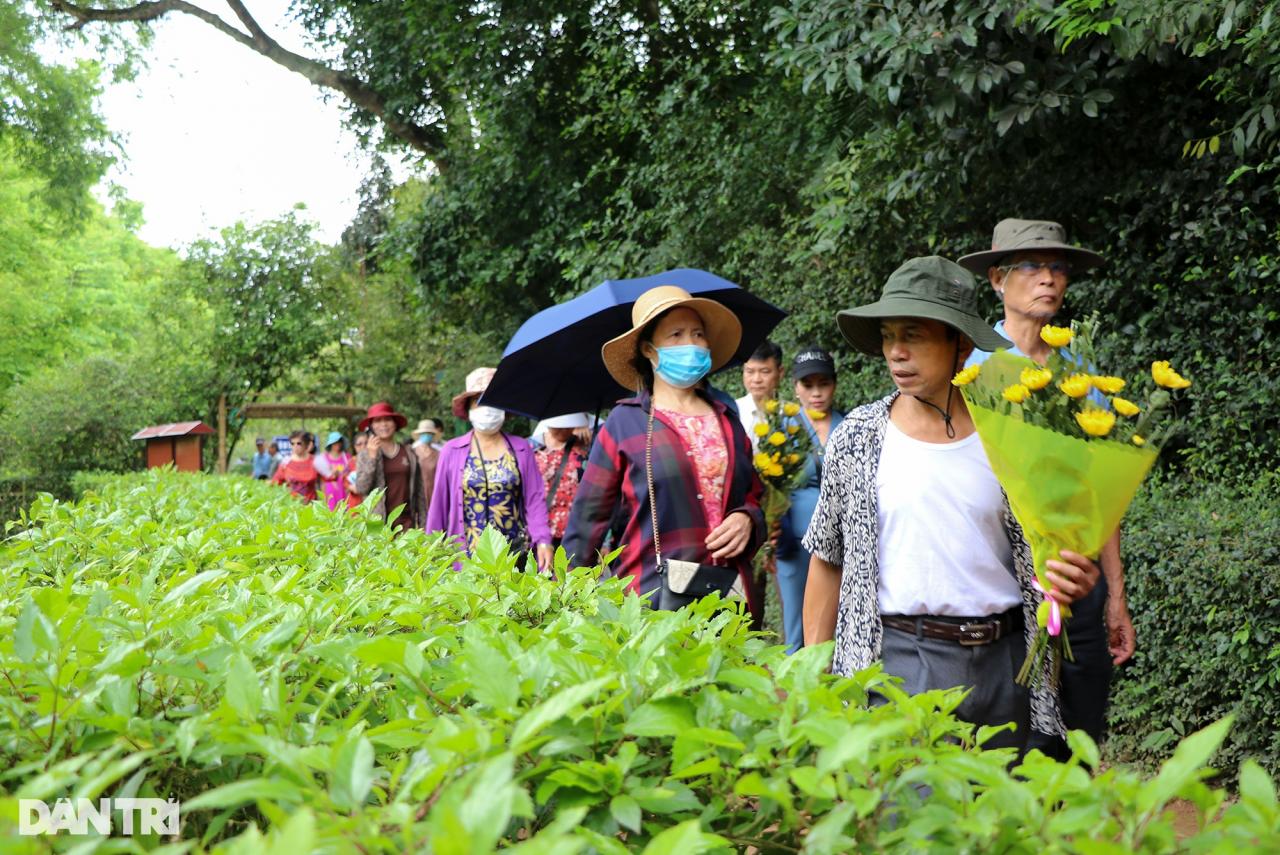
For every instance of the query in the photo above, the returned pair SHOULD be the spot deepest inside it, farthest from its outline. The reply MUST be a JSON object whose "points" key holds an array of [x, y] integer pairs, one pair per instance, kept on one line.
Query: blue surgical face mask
{"points": [[683, 365]]}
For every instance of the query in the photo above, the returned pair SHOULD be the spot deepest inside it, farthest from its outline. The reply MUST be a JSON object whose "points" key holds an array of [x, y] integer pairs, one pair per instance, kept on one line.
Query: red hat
{"points": [[383, 410]]}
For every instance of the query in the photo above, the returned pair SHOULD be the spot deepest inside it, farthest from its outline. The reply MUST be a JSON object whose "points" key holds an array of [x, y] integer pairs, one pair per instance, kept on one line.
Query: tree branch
{"points": [[428, 139]]}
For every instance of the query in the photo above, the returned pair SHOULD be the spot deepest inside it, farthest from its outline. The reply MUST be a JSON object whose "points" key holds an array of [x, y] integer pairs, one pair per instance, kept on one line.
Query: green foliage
{"points": [[1200, 575], [47, 115], [960, 114], [104, 337], [301, 680], [272, 311], [77, 416], [67, 292]]}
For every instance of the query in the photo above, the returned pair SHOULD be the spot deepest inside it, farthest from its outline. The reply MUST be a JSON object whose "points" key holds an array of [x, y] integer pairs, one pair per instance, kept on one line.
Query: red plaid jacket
{"points": [[614, 493]]}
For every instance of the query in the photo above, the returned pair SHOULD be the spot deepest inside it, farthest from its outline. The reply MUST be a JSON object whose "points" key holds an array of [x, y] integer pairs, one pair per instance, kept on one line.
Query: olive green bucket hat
{"points": [[930, 287], [1012, 236]]}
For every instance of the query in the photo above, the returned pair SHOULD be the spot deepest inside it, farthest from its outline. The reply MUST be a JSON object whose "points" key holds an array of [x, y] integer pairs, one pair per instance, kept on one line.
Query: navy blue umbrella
{"points": [[552, 364]]}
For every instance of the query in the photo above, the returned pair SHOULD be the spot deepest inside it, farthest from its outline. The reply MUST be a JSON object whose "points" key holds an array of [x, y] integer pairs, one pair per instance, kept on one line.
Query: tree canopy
{"points": [[803, 149]]}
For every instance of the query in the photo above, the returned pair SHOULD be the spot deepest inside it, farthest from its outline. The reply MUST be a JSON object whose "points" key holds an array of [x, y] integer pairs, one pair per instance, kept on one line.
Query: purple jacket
{"points": [[445, 510]]}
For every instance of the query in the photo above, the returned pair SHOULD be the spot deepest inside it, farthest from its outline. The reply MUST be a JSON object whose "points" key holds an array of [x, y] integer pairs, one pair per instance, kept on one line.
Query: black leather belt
{"points": [[967, 631]]}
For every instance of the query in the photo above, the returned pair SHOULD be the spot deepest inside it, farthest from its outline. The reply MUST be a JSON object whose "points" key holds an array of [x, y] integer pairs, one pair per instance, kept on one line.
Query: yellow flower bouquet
{"points": [[1070, 454], [784, 446]]}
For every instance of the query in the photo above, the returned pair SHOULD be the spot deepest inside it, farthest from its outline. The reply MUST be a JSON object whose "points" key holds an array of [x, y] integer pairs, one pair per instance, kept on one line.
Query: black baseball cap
{"points": [[812, 360]]}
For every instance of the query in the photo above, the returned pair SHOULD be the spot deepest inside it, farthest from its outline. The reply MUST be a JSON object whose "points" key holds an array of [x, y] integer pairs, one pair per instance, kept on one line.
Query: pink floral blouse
{"points": [[703, 437]]}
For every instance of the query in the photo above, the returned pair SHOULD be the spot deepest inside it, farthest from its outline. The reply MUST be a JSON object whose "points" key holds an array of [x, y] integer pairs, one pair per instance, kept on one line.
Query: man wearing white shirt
{"points": [[760, 376], [917, 560]]}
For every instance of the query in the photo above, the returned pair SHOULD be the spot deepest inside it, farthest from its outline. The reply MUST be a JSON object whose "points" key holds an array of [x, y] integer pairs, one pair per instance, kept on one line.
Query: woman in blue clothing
{"points": [[814, 372]]}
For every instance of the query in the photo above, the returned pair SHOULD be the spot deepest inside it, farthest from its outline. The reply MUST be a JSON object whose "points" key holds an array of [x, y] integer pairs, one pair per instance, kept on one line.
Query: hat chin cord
{"points": [[946, 414]]}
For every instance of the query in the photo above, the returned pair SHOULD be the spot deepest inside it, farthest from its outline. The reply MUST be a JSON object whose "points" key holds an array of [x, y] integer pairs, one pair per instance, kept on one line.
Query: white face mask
{"points": [[486, 419]]}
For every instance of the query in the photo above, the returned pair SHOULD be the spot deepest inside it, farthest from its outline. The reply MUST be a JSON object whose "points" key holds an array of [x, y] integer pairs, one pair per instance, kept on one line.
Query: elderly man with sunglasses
{"points": [[1029, 267]]}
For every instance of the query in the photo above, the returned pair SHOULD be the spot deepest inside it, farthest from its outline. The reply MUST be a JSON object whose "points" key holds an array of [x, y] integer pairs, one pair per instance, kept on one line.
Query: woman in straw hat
{"points": [[706, 492], [391, 466], [489, 478]]}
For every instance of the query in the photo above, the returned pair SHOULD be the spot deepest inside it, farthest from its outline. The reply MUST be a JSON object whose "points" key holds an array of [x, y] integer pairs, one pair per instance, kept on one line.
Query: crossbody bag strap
{"points": [[555, 482], [648, 472]]}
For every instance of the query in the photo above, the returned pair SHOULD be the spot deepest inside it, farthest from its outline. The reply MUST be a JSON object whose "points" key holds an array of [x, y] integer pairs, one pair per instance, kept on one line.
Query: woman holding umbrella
{"points": [[489, 478], [671, 457]]}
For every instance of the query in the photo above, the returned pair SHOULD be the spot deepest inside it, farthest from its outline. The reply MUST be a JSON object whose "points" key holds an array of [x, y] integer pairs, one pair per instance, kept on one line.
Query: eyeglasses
{"points": [[1030, 268]]}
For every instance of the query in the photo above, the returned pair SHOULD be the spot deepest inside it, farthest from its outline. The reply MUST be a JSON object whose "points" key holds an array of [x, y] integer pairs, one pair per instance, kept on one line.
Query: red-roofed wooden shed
{"points": [[180, 443]]}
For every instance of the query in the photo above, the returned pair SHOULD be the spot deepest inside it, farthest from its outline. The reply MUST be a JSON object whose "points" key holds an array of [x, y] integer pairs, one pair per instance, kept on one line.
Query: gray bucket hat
{"points": [[1012, 236], [929, 287]]}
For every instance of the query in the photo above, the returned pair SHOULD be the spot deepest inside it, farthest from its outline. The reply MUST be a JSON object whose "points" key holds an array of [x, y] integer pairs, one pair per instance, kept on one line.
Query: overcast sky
{"points": [[214, 133]]}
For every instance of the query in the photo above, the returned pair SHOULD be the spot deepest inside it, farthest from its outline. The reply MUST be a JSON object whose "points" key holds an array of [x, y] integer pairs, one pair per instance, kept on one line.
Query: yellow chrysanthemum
{"points": [[1016, 394], [793, 459], [790, 409], [1075, 386], [965, 376], [1138, 441], [771, 406], [761, 429], [777, 438], [1125, 407], [1096, 421], [775, 471], [1167, 377], [1109, 385], [815, 415], [1056, 336], [776, 456], [792, 429], [1036, 379], [762, 461]]}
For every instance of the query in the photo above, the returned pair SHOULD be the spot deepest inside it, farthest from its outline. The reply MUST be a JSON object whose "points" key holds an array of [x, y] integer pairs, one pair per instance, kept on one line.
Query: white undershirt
{"points": [[750, 416], [943, 549]]}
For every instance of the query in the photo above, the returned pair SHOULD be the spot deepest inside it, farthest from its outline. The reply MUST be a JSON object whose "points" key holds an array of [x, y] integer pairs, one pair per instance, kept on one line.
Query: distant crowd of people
{"points": [[898, 542]]}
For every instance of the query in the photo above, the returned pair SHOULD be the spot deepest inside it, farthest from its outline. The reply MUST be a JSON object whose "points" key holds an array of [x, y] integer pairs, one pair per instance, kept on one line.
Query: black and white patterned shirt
{"points": [[845, 531]]}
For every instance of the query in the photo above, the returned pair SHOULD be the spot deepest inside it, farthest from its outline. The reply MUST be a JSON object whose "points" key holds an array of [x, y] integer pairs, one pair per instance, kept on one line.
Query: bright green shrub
{"points": [[1205, 596], [301, 681]]}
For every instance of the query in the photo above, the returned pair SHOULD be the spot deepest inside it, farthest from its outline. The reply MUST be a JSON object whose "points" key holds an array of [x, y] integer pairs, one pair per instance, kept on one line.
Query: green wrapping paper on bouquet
{"points": [[1067, 493], [1069, 469]]}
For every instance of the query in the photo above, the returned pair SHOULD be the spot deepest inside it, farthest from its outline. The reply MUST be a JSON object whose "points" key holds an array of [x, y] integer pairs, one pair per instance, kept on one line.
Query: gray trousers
{"points": [[988, 670]]}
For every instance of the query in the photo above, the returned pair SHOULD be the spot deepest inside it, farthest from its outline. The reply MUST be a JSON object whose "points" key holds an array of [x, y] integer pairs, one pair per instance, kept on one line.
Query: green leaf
{"points": [[1083, 746], [625, 811], [296, 835], [352, 776], [1256, 785], [827, 835], [687, 838], [661, 717], [492, 681], [242, 792], [243, 689], [855, 746], [531, 723], [1186, 765], [33, 632], [181, 590]]}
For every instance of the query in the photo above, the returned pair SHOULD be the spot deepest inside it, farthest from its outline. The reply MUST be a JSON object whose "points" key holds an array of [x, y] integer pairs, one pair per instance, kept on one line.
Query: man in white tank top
{"points": [[917, 560]]}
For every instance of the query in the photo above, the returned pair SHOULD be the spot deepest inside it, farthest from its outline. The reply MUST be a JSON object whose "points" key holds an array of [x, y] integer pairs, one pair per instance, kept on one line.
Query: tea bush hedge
{"points": [[302, 682], [1205, 596]]}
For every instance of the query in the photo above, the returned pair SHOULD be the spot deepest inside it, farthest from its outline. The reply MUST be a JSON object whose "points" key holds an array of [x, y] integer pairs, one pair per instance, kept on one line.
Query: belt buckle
{"points": [[976, 634]]}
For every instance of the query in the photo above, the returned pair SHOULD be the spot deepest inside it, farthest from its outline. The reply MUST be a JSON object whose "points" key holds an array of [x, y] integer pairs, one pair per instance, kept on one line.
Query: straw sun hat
{"points": [[723, 329]]}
